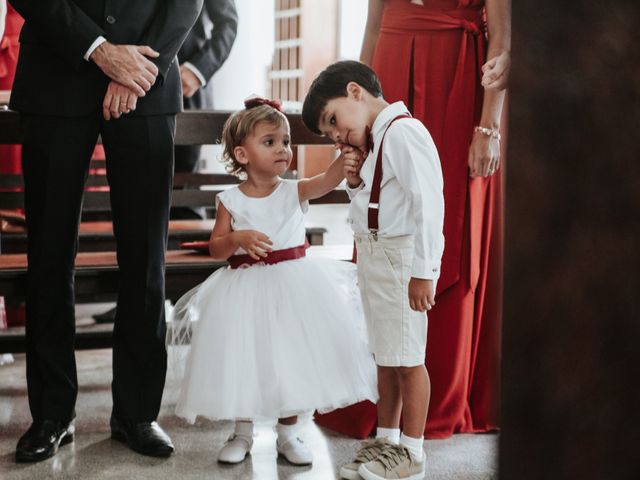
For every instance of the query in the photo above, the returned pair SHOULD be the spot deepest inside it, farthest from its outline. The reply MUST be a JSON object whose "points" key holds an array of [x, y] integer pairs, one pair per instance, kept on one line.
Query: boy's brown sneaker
{"points": [[370, 450], [394, 462]]}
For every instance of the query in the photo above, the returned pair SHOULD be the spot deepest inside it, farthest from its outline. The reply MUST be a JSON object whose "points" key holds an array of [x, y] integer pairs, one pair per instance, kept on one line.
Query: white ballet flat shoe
{"points": [[236, 449], [295, 452]]}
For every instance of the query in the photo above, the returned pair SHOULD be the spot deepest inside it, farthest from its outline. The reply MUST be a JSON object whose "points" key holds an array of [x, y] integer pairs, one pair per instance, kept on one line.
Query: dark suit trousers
{"points": [[56, 153]]}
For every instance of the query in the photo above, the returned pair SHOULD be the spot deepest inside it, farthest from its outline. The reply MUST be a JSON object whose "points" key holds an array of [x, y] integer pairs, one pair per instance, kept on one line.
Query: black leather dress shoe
{"points": [[43, 439], [146, 438]]}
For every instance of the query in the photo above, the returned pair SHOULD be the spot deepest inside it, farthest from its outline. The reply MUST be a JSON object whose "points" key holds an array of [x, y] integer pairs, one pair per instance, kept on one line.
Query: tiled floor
{"points": [[95, 455]]}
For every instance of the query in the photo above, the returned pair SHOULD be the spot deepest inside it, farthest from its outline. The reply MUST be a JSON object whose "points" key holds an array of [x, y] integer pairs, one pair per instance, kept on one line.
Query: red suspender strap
{"points": [[374, 199]]}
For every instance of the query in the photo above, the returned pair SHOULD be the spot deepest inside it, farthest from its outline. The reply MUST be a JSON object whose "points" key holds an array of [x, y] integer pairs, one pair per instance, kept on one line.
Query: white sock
{"points": [[391, 434], [244, 428], [286, 432], [414, 445]]}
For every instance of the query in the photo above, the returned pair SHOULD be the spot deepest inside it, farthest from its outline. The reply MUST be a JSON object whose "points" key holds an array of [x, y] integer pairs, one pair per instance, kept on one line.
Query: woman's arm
{"points": [[224, 241], [484, 153], [496, 70], [371, 31], [3, 14]]}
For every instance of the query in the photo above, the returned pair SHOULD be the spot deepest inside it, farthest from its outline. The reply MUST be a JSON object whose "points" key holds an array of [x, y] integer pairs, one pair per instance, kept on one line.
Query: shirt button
{"points": [[111, 19]]}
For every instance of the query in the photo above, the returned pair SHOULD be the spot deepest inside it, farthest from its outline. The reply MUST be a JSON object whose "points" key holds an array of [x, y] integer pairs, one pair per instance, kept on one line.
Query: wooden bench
{"points": [[97, 273], [190, 189]]}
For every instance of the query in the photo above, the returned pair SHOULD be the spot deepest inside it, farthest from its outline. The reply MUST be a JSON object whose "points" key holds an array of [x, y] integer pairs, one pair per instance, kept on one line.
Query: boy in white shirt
{"points": [[397, 217]]}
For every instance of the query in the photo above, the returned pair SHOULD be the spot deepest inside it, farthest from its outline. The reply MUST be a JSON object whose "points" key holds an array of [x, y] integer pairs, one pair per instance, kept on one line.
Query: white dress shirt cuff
{"points": [[353, 191], [425, 269], [97, 42], [196, 72]]}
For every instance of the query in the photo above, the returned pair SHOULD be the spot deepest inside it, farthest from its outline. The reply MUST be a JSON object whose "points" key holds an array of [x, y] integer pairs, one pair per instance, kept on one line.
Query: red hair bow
{"points": [[256, 101]]}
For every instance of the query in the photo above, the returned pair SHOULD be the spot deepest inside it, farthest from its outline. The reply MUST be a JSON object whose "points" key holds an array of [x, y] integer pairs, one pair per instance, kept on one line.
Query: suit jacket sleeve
{"points": [[68, 30], [169, 29], [215, 51]]}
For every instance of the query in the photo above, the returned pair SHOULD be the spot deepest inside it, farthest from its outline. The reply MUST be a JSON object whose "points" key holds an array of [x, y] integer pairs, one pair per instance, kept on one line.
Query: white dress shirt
{"points": [[411, 198], [196, 72], [96, 43]]}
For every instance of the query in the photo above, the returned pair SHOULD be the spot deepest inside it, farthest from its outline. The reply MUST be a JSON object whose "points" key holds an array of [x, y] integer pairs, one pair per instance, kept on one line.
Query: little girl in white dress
{"points": [[276, 333]]}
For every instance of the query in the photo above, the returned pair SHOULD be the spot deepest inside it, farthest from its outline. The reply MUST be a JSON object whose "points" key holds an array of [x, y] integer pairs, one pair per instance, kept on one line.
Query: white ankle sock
{"points": [[244, 428], [391, 434], [414, 445], [286, 432]]}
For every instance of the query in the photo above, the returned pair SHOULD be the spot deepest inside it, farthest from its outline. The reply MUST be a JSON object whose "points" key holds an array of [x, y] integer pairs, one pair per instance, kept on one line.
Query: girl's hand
{"points": [[256, 244], [484, 155], [421, 294], [496, 72], [352, 162]]}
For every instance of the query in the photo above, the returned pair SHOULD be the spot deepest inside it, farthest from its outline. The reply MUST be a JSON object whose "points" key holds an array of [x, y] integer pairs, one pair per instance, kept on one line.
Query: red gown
{"points": [[430, 57], [9, 46]]}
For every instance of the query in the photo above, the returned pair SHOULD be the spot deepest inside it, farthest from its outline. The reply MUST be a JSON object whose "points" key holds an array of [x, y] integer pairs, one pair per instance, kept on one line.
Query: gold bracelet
{"points": [[489, 132]]}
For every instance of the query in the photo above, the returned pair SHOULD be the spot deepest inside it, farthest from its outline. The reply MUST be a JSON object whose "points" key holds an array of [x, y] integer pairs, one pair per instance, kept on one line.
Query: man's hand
{"points": [[118, 100], [127, 65], [256, 244], [353, 159], [421, 294], [190, 83]]}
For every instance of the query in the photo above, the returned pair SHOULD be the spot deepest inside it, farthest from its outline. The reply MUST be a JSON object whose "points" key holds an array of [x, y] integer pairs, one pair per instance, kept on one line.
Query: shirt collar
{"points": [[385, 116]]}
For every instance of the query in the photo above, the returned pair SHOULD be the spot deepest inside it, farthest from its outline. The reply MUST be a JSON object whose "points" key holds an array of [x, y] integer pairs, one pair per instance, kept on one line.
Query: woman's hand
{"points": [[484, 155], [256, 244], [495, 73]]}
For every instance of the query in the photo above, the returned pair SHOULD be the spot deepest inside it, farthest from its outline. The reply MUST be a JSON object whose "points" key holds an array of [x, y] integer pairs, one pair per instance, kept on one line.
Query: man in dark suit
{"points": [[203, 52], [89, 67]]}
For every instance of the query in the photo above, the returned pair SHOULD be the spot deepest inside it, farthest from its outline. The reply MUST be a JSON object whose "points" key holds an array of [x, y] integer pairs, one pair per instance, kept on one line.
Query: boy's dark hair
{"points": [[332, 83]]}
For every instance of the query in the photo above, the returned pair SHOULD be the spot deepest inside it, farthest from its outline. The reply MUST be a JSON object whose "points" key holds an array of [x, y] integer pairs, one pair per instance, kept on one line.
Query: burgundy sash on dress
{"points": [[272, 258]]}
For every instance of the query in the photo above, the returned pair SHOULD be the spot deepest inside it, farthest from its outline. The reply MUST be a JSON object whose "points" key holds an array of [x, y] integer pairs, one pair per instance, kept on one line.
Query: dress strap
{"points": [[376, 184]]}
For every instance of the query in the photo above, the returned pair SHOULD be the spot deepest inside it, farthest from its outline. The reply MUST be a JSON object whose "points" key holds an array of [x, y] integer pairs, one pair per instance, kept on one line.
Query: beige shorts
{"points": [[397, 334]]}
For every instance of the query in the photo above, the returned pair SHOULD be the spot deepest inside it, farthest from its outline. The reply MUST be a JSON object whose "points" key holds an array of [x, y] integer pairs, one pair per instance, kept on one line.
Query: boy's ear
{"points": [[241, 155], [354, 90]]}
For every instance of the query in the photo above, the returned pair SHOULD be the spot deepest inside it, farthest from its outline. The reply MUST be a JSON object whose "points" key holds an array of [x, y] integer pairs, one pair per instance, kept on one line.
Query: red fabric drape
{"points": [[430, 58]]}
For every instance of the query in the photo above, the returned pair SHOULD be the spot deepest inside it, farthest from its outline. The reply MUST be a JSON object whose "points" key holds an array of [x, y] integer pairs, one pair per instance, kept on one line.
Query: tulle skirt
{"points": [[272, 341]]}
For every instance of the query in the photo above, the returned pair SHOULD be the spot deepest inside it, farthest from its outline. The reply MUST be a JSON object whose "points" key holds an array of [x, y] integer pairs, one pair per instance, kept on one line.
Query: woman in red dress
{"points": [[430, 54]]}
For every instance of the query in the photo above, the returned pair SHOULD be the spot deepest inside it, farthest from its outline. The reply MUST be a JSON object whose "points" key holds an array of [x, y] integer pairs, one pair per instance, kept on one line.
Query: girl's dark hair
{"points": [[332, 83]]}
